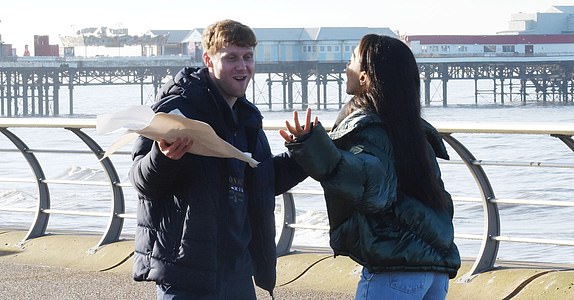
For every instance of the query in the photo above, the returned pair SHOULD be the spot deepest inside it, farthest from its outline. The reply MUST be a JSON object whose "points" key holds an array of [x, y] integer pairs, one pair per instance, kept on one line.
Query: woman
{"points": [[387, 206]]}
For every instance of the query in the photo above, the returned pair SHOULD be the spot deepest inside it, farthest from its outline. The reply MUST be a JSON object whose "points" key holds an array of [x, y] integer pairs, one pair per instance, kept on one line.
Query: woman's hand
{"points": [[175, 150], [297, 130]]}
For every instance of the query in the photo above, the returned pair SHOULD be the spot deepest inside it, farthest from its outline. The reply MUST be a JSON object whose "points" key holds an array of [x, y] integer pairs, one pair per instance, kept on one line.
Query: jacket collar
{"points": [[362, 118], [250, 114], [357, 119]]}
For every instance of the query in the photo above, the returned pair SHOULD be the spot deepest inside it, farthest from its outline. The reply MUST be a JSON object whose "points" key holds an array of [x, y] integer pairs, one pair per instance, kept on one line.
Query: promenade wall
{"points": [[61, 266]]}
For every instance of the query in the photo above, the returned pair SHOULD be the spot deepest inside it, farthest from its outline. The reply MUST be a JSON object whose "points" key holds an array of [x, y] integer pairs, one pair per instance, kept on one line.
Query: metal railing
{"points": [[490, 238]]}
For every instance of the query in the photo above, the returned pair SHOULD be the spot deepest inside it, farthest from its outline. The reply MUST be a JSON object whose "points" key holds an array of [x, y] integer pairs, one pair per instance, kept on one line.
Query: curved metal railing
{"points": [[490, 238]]}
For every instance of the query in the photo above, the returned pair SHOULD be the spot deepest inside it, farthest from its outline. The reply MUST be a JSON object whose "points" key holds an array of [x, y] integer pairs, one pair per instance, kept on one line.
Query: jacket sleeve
{"points": [[288, 173], [152, 173], [362, 178]]}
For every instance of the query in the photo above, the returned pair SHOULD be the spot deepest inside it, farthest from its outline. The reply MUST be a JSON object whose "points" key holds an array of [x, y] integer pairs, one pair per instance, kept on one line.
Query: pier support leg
{"points": [[47, 98], [9, 95], [475, 90], [284, 83], [427, 82], [56, 100], [494, 85], [25, 100], [304, 91], [324, 94], [340, 84], [444, 92], [290, 91], [318, 87], [523, 90], [71, 94], [40, 88], [270, 91], [501, 90]]}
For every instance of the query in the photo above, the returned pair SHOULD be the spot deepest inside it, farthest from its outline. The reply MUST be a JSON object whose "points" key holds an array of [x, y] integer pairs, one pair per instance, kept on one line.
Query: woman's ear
{"points": [[363, 78]]}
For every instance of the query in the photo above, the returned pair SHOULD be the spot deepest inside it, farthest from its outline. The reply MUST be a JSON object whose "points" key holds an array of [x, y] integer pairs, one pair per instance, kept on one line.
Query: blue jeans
{"points": [[402, 285], [242, 289]]}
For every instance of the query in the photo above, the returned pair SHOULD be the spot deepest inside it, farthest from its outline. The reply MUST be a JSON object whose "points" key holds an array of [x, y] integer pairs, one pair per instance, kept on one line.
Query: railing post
{"points": [[40, 223], [566, 139], [287, 232], [115, 225], [489, 249]]}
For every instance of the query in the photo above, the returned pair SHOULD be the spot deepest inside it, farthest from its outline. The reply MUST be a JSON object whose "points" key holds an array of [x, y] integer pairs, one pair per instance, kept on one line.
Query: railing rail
{"points": [[490, 238]]}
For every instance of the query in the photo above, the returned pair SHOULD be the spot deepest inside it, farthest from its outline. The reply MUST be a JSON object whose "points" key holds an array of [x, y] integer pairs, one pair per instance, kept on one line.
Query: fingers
{"points": [[177, 149], [297, 130], [287, 137], [308, 120], [292, 130], [296, 120]]}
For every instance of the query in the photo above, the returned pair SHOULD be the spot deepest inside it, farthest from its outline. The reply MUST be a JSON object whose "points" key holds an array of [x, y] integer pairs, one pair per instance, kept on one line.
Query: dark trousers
{"points": [[238, 289]]}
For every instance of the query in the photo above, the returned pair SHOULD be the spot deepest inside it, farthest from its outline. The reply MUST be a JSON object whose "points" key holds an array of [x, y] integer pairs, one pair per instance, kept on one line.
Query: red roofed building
{"points": [[495, 45]]}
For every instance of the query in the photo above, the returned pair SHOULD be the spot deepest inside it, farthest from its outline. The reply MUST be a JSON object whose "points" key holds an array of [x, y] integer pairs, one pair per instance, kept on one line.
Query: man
{"points": [[205, 225]]}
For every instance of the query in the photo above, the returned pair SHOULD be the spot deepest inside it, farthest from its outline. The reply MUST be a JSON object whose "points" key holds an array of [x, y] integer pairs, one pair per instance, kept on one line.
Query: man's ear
{"points": [[207, 60]]}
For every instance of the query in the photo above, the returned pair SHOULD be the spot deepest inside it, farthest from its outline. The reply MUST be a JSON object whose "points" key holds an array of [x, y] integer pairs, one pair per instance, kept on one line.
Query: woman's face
{"points": [[354, 73]]}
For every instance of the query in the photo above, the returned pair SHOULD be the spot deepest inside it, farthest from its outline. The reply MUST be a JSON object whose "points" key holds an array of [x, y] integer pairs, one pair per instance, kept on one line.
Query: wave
{"points": [[82, 173], [17, 199], [312, 237]]}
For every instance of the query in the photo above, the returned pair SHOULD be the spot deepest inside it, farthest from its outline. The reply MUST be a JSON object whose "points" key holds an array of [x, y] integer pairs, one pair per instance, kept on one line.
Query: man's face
{"points": [[231, 68]]}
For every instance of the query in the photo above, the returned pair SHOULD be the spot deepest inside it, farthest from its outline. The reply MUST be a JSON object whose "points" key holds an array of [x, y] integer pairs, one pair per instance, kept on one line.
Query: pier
{"points": [[31, 86], [519, 79]]}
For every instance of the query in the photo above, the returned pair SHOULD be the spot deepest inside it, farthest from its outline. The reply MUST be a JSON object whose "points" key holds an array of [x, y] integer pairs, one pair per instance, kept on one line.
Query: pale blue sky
{"points": [[21, 20]]}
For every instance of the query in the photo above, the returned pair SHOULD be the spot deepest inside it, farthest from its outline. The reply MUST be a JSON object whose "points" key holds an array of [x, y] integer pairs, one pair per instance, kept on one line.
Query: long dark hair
{"points": [[394, 93]]}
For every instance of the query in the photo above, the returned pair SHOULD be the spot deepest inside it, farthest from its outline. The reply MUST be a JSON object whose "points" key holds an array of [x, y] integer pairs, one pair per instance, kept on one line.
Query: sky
{"points": [[21, 20]]}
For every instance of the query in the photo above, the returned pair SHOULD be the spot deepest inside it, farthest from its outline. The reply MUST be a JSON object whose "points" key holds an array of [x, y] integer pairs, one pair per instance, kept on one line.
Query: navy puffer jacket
{"points": [[178, 220], [370, 220]]}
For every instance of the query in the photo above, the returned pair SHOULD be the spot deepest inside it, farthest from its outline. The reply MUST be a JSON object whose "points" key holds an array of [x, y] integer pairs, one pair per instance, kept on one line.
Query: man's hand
{"points": [[175, 150]]}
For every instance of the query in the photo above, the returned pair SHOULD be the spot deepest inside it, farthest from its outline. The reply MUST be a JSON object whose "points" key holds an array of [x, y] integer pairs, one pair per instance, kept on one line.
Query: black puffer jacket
{"points": [[370, 220], [178, 216]]}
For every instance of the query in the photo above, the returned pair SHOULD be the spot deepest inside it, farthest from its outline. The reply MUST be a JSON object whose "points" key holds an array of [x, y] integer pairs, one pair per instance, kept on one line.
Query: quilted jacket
{"points": [[370, 220], [179, 218]]}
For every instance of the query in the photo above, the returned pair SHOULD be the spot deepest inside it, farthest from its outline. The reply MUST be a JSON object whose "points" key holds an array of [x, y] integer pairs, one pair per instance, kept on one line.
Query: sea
{"points": [[508, 182]]}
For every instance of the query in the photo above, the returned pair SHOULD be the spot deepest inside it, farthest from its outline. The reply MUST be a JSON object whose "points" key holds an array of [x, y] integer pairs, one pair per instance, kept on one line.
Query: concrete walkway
{"points": [[62, 267]]}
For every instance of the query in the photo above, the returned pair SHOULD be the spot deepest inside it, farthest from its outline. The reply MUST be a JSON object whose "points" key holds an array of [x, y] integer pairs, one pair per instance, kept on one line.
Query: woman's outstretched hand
{"points": [[297, 130]]}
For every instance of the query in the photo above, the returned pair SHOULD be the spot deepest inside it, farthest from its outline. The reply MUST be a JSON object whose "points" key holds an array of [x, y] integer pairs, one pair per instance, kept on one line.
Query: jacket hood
{"points": [[362, 118], [176, 85]]}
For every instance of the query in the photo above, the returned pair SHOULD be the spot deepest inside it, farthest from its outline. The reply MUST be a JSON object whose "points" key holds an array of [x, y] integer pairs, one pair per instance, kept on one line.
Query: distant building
{"points": [[274, 44], [491, 45], [177, 42], [6, 51], [556, 20], [105, 41], [310, 44], [297, 44], [549, 33], [42, 46]]}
